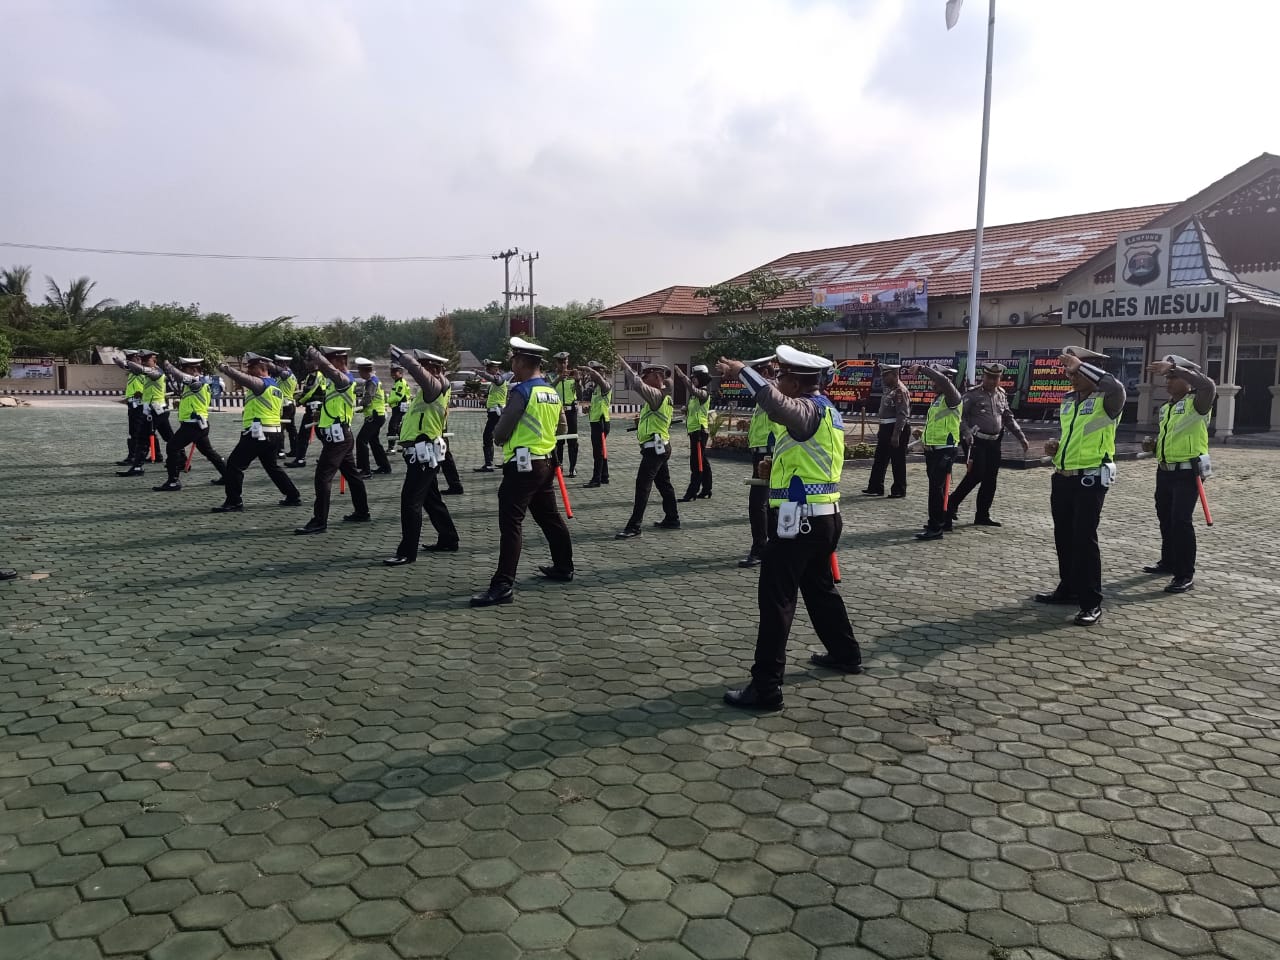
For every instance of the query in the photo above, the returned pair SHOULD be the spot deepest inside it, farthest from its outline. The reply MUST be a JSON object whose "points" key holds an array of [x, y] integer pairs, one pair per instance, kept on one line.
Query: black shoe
{"points": [[1087, 618], [396, 561], [987, 522], [555, 573], [872, 493], [572, 474], [1057, 596], [627, 533], [895, 496], [493, 596], [131, 472], [358, 517], [604, 482], [218, 482], [167, 486], [688, 498], [1156, 567], [291, 502], [928, 534], [365, 475], [828, 662], [383, 470], [451, 492], [296, 463], [593, 483], [313, 526], [1180, 584], [8, 574], [228, 508], [705, 495], [668, 524], [750, 560], [439, 547], [487, 468], [751, 697]]}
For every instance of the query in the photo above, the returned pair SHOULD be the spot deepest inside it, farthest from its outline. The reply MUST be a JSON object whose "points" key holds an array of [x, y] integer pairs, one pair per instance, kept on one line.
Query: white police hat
{"points": [[281, 358], [890, 368], [654, 365], [1083, 353], [701, 368], [334, 351], [995, 369], [430, 357], [562, 355], [147, 353], [596, 365], [797, 361], [493, 363], [189, 361], [761, 361], [131, 352], [1180, 361], [525, 348], [363, 362]]}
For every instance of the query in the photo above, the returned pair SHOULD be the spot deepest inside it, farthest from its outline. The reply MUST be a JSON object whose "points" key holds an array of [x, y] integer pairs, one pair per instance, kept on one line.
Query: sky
{"points": [[633, 144]]}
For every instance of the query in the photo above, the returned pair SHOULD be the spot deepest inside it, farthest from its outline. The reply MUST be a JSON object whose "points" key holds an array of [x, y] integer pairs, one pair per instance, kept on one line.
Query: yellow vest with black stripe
{"points": [[194, 402], [655, 423], [339, 406], [697, 413], [567, 390], [497, 396], [942, 423], [1088, 433], [423, 420], [1184, 431], [539, 422], [313, 389], [264, 407], [400, 391], [818, 461], [761, 429], [601, 401]]}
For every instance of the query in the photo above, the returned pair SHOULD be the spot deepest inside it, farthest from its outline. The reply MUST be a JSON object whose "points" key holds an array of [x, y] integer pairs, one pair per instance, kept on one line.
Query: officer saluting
{"points": [[653, 430], [153, 410], [337, 441], [260, 437], [566, 383], [1181, 448], [697, 419], [1084, 467], [398, 398], [600, 392], [494, 401], [986, 416], [527, 430], [373, 404], [193, 421], [133, 401], [311, 396], [941, 435], [423, 449], [804, 500], [891, 441]]}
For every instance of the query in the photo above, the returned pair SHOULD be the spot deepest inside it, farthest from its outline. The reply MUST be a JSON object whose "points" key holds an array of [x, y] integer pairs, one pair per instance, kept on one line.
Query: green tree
{"points": [[444, 341], [6, 353], [481, 331], [185, 340], [14, 282], [753, 328], [73, 303], [583, 336]]}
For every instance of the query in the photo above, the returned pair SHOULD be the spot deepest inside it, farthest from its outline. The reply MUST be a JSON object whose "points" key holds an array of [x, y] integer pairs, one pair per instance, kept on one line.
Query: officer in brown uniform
{"points": [[986, 417], [891, 442]]}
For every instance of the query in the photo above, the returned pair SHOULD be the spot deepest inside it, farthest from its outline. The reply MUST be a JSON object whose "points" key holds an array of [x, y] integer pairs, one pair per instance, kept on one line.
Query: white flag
{"points": [[953, 12]]}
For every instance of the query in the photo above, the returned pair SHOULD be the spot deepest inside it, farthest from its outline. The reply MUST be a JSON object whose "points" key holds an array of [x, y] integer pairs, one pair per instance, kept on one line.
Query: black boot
{"points": [[752, 697]]}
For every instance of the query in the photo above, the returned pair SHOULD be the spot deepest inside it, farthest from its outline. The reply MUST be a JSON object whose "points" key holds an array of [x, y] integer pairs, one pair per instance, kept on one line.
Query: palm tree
{"points": [[73, 303], [13, 282]]}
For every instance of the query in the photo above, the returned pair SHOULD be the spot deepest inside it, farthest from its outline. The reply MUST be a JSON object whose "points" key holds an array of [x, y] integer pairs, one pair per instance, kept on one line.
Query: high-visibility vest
{"points": [[288, 385], [761, 430], [567, 390], [539, 422], [424, 420], [697, 416], [339, 406], [264, 407], [601, 401], [1088, 433], [497, 396], [818, 461], [153, 391], [133, 386], [656, 424], [378, 402], [194, 401], [942, 423], [1184, 431], [400, 391]]}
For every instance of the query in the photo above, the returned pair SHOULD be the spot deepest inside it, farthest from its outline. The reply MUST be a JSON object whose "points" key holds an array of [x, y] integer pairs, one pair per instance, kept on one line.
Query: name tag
{"points": [[1180, 406], [1087, 406], [545, 395]]}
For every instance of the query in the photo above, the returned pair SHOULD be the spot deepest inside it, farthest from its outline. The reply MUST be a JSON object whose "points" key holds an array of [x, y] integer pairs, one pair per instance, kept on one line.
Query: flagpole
{"points": [[975, 295]]}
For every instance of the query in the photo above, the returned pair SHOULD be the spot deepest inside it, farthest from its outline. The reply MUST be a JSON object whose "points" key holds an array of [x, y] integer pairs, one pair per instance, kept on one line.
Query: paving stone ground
{"points": [[219, 739]]}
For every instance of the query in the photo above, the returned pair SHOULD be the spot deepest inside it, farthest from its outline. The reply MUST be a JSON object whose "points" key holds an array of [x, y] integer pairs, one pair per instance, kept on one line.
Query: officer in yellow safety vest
{"points": [[697, 419], [599, 390], [398, 398], [132, 400], [653, 430], [260, 436], [311, 397], [193, 422], [531, 419], [449, 466], [288, 385], [1084, 469], [153, 412], [422, 445], [373, 404], [565, 382], [337, 441], [804, 507], [1181, 446], [495, 400], [940, 440], [760, 442]]}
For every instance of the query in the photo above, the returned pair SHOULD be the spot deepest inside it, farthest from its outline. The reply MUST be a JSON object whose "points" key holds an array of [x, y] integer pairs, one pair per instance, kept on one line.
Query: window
{"points": [[1126, 364]]}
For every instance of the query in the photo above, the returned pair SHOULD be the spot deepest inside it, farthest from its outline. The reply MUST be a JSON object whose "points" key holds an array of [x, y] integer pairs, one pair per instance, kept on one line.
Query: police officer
{"points": [[986, 417], [337, 441], [1084, 467], [449, 466], [804, 501], [531, 419], [653, 430], [423, 450], [940, 438], [153, 413], [132, 400], [311, 397], [697, 418], [288, 385], [193, 421], [760, 433], [495, 400], [891, 441], [398, 398], [1181, 445], [260, 434], [599, 391], [373, 404], [565, 381]]}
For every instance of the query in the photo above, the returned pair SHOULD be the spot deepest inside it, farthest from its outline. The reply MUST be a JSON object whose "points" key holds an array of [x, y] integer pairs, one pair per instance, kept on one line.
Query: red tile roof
{"points": [[678, 300]]}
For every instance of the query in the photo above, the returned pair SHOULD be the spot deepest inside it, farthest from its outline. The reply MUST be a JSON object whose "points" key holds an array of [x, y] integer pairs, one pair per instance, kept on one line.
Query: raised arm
{"points": [[652, 396], [1204, 387], [432, 386], [693, 388], [799, 415], [335, 376], [178, 375], [941, 383], [1112, 390], [255, 385], [596, 377]]}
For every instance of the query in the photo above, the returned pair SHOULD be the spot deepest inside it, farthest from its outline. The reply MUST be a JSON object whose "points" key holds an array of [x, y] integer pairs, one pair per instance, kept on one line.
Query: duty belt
{"points": [[1087, 472], [533, 456], [988, 436], [822, 509], [810, 490], [939, 446], [249, 430], [1180, 465], [649, 445]]}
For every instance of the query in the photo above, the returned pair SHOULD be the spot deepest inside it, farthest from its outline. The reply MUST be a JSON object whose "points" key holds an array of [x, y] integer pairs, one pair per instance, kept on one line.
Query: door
{"points": [[1253, 407]]}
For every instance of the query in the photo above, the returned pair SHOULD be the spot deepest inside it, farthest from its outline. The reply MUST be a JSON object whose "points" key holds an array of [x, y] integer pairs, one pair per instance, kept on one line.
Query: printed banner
{"points": [[852, 382], [921, 385], [1010, 381], [885, 305], [31, 370], [1047, 383], [733, 391]]}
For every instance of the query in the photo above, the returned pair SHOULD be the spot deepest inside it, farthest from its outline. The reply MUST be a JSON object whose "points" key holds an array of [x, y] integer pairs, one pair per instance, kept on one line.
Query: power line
{"points": [[447, 258]]}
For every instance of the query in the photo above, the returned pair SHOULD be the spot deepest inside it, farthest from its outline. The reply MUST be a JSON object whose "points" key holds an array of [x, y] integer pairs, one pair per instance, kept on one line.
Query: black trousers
{"points": [[421, 491], [487, 440], [290, 431], [758, 508], [192, 433], [393, 426], [984, 473], [1176, 496], [1076, 510], [533, 493], [134, 413], [303, 441], [144, 428], [571, 418], [937, 465], [887, 452], [654, 472], [369, 438], [449, 469], [264, 451], [800, 566], [338, 458], [599, 446], [699, 464]]}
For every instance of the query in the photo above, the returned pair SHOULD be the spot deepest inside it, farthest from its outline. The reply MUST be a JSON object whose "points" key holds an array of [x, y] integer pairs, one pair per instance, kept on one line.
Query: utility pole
{"points": [[505, 256], [533, 326]]}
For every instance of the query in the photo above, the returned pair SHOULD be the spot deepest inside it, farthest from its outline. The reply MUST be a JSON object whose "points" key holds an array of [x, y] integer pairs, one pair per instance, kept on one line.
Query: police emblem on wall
{"points": [[1139, 254]]}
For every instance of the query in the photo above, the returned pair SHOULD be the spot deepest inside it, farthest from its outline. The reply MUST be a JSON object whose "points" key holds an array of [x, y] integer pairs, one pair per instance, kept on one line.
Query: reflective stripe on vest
{"points": [[288, 387], [600, 403], [1184, 431], [339, 406], [818, 461], [761, 429], [1088, 434], [400, 391], [133, 386], [194, 402], [153, 391], [696, 417], [378, 402], [424, 421], [314, 389], [567, 390], [655, 423], [498, 394], [537, 427], [264, 407], [942, 423]]}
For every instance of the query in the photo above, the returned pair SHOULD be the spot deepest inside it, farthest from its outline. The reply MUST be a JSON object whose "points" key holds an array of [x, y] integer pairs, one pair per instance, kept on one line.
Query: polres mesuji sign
{"points": [[1201, 302]]}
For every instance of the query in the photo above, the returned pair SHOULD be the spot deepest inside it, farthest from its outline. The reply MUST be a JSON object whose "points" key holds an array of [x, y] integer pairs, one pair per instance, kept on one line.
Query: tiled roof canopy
{"points": [[669, 300]]}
